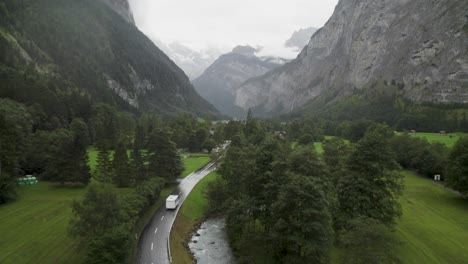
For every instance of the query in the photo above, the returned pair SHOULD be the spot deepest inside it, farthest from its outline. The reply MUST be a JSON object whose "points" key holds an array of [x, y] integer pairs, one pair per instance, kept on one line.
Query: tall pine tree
{"points": [[104, 170], [122, 170], [164, 161]]}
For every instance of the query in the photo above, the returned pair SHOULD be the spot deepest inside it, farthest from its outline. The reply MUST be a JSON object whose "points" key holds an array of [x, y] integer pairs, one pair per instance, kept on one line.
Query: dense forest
{"points": [[285, 203], [384, 102]]}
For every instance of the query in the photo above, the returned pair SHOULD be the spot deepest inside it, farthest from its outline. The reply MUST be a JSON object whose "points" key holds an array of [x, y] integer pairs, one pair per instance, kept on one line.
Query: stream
{"points": [[209, 244]]}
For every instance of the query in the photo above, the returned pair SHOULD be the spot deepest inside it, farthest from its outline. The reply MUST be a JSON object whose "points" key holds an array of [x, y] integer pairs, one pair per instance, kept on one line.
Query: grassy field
{"points": [[192, 211], [33, 228], [194, 162], [449, 140], [434, 225]]}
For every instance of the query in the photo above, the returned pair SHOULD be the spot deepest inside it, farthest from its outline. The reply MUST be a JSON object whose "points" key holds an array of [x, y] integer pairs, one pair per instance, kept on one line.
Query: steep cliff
{"points": [[122, 7], [84, 46], [219, 82], [419, 46]]}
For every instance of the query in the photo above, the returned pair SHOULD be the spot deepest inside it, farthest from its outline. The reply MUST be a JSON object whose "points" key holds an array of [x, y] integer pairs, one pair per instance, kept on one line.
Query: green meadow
{"points": [[449, 140], [434, 225]]}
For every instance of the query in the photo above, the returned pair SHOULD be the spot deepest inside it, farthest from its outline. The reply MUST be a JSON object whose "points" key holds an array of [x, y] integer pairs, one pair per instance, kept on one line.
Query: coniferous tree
{"points": [[457, 170], [164, 161], [104, 172], [138, 166], [122, 171]]}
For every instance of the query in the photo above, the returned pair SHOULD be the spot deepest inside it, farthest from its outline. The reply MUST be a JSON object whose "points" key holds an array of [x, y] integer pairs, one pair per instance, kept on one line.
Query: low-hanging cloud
{"points": [[227, 23]]}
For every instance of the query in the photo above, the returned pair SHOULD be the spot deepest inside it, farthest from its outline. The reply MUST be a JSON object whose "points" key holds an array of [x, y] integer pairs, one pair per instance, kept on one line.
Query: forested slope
{"points": [[59, 53]]}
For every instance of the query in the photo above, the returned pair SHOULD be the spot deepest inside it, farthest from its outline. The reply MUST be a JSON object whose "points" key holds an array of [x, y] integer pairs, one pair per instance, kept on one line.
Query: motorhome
{"points": [[172, 202]]}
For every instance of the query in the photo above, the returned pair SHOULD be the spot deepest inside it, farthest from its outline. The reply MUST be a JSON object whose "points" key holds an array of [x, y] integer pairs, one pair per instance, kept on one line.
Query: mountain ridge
{"points": [[96, 51], [219, 81], [366, 41]]}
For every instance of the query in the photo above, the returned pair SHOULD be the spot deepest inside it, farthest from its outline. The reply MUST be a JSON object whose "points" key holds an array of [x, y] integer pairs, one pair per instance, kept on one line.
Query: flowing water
{"points": [[209, 244]]}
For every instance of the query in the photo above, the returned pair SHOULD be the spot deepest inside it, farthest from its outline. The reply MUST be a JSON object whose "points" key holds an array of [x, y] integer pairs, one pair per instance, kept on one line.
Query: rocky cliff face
{"points": [[122, 7], [219, 81], [421, 45]]}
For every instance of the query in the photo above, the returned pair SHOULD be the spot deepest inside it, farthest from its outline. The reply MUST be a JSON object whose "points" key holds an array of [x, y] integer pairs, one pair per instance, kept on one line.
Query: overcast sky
{"points": [[227, 23]]}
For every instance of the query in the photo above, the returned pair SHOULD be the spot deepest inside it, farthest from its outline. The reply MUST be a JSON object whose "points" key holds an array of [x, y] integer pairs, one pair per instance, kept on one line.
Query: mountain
{"points": [[122, 7], [219, 82], [87, 49], [192, 62], [300, 38], [407, 51]]}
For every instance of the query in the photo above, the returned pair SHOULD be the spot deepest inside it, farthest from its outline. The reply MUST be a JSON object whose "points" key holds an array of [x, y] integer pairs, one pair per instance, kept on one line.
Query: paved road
{"points": [[153, 243]]}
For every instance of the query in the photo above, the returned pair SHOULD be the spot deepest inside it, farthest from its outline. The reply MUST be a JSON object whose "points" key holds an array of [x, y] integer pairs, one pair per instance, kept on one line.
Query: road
{"points": [[153, 243]]}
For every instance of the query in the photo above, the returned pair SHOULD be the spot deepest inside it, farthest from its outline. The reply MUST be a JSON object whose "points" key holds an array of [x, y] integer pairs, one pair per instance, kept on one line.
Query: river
{"points": [[209, 244]]}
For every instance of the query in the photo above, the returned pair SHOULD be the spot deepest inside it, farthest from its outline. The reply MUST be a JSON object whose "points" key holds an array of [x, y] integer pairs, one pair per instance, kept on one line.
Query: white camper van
{"points": [[172, 202]]}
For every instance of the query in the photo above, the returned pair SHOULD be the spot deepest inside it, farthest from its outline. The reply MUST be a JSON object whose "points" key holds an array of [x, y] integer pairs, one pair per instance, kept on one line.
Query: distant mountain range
{"points": [[219, 82], [192, 62]]}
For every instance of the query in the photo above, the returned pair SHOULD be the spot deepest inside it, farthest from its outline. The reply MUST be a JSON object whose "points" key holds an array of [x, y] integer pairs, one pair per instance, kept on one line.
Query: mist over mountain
{"points": [[412, 50], [219, 82], [192, 62], [91, 50], [300, 38]]}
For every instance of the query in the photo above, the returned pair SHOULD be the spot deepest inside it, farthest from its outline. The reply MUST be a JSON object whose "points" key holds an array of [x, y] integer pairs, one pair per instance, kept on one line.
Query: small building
{"points": [[412, 131], [437, 177], [442, 133]]}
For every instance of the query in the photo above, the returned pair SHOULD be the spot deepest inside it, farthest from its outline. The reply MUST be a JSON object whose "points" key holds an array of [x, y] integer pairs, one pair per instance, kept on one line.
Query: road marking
{"points": [[151, 246], [162, 218], [156, 230]]}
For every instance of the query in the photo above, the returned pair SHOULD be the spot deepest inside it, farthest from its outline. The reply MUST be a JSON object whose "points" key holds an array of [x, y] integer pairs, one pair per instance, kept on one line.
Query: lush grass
{"points": [[33, 229], [434, 225], [192, 211], [193, 162], [317, 145], [449, 140]]}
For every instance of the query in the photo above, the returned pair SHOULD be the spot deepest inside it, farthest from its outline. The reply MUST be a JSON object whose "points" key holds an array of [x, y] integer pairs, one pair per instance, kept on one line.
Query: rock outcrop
{"points": [[300, 38], [421, 45]]}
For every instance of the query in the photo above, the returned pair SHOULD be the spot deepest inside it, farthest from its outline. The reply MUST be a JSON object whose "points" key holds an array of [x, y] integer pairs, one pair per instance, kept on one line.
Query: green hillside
{"points": [[83, 51]]}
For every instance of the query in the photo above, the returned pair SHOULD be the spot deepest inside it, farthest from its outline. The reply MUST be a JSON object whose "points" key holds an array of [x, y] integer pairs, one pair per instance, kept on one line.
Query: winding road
{"points": [[153, 243]]}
